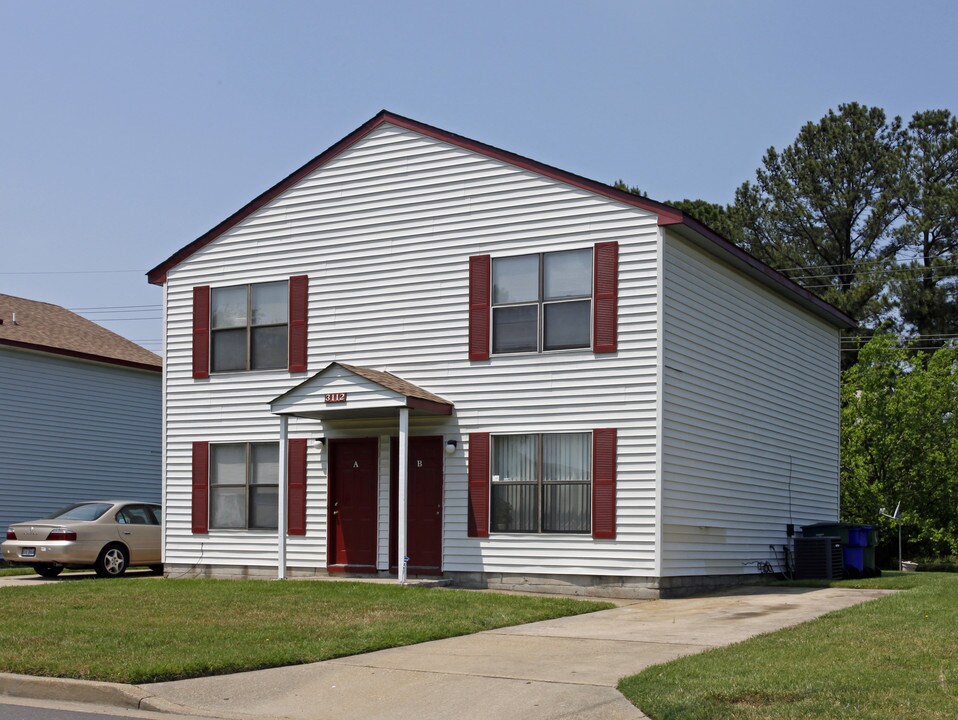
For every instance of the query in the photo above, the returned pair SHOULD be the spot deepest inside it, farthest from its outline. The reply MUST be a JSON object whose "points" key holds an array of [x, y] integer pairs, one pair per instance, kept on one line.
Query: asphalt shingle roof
{"points": [[395, 383], [51, 328]]}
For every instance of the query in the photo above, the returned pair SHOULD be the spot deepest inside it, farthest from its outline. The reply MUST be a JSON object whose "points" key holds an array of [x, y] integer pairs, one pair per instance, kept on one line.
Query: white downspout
{"points": [[281, 520], [402, 499]]}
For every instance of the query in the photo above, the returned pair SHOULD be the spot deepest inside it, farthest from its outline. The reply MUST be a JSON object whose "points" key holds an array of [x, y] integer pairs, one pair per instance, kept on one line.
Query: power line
{"points": [[122, 319], [115, 307], [70, 272], [897, 271], [875, 261]]}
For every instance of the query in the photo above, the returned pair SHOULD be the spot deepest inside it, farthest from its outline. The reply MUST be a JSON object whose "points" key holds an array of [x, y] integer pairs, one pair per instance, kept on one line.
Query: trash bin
{"points": [[858, 545], [858, 536], [824, 529]]}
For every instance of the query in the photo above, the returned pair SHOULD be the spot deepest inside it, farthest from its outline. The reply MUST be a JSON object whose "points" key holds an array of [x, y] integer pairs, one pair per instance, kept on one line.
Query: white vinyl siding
{"points": [[750, 424], [74, 430], [385, 231]]}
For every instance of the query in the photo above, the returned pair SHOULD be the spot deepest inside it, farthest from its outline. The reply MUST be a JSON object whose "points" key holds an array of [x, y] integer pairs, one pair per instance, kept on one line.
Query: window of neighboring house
{"points": [[542, 302], [244, 485], [249, 327], [542, 483]]}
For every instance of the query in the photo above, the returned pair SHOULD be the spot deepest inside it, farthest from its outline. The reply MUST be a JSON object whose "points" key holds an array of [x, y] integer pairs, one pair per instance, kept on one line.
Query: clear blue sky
{"points": [[127, 129]]}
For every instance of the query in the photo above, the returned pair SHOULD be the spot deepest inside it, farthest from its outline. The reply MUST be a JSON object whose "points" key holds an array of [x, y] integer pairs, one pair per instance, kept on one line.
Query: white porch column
{"points": [[401, 501], [281, 504]]}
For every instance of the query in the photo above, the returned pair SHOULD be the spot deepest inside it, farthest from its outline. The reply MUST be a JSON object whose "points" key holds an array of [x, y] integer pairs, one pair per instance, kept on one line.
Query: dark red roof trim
{"points": [[81, 355], [428, 406], [666, 214]]}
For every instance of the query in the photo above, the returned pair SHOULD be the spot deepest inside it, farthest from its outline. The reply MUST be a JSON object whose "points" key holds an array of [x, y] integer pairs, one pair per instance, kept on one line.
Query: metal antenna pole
{"points": [[901, 563]]}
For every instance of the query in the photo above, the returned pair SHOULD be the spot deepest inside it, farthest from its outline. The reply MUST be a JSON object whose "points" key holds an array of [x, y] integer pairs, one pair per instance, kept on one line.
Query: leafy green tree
{"points": [[823, 210], [899, 431], [926, 289], [718, 217], [621, 184]]}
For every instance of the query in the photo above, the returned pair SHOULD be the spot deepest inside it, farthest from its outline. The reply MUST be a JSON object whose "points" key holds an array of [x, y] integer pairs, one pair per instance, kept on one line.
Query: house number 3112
{"points": [[335, 397]]}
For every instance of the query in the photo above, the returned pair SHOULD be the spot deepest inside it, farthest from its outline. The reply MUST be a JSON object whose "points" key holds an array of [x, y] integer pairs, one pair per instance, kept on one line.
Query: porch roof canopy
{"points": [[348, 391]]}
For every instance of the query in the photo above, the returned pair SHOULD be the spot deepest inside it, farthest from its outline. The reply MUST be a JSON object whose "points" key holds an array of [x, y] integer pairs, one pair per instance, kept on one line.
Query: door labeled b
{"points": [[424, 505]]}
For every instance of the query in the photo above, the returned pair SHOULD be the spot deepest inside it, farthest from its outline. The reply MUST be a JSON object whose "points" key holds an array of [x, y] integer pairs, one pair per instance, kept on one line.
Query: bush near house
{"points": [[899, 429]]}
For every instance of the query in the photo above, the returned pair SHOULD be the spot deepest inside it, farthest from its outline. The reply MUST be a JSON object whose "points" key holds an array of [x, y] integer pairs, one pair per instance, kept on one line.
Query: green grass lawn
{"points": [[4, 571], [896, 657], [140, 631]]}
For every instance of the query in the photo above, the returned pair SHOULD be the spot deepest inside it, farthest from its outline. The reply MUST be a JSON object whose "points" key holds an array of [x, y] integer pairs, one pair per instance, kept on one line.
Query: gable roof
{"points": [[308, 398], [667, 215], [53, 329]]}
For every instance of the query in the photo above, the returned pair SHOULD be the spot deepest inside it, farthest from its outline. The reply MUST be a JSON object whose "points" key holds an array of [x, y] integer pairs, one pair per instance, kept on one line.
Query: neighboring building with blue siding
{"points": [[79, 412]]}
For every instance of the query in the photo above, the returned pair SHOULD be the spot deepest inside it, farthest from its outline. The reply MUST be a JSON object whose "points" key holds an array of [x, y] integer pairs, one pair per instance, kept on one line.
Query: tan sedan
{"points": [[107, 535]]}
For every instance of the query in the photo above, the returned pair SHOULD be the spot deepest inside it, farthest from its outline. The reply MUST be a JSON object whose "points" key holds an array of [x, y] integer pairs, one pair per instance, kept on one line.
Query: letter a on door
{"points": [[355, 463]]}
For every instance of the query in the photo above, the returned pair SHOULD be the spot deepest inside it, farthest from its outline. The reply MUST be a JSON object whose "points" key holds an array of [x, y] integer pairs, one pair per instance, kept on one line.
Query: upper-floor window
{"points": [[249, 327], [542, 302]]}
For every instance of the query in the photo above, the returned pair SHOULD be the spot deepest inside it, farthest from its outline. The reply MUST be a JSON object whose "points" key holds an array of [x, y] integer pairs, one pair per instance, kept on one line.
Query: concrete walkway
{"points": [[565, 668]]}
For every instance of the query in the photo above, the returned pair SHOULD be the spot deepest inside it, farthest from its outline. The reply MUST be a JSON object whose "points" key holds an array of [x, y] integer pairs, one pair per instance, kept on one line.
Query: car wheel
{"points": [[112, 561], [156, 569], [50, 571]]}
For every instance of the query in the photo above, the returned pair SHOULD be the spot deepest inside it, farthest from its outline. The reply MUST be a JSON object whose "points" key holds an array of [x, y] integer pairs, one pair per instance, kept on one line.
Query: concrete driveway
{"points": [[565, 668], [35, 580]]}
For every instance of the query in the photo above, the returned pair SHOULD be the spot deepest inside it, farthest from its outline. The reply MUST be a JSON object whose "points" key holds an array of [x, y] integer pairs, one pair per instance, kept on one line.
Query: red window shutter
{"points": [[479, 484], [296, 487], [298, 311], [603, 483], [605, 297], [480, 281], [201, 331], [201, 487]]}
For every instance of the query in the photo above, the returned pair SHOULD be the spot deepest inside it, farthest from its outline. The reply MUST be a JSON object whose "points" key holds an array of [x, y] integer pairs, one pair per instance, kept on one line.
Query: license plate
{"points": [[28, 552]]}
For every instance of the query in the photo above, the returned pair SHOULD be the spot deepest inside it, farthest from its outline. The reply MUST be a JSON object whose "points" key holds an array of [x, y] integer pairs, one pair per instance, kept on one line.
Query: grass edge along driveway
{"points": [[137, 631], [895, 657]]}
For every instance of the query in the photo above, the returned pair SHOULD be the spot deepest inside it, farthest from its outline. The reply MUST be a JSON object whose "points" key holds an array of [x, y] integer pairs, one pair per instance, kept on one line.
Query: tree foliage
{"points": [[717, 217], [829, 202], [926, 287], [899, 430]]}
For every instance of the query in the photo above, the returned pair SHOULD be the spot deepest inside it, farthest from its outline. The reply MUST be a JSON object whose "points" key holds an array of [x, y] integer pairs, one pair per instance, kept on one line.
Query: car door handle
{"points": [[127, 532]]}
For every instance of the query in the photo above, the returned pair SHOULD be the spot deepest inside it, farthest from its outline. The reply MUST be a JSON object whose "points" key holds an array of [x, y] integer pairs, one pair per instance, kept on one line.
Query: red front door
{"points": [[353, 470], [424, 503]]}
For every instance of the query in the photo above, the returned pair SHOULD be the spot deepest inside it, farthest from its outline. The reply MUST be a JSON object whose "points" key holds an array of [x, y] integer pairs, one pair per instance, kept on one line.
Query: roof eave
{"points": [[689, 228], [665, 213], [81, 355]]}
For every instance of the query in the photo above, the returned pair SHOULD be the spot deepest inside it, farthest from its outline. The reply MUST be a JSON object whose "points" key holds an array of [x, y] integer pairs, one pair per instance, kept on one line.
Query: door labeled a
{"points": [[353, 472]]}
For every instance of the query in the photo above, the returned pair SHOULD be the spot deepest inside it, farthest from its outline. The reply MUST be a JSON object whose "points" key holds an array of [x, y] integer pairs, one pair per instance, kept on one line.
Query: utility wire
{"points": [[69, 272]]}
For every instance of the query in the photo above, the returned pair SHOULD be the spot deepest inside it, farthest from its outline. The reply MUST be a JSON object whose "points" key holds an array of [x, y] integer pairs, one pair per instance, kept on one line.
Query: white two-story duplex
{"points": [[422, 348]]}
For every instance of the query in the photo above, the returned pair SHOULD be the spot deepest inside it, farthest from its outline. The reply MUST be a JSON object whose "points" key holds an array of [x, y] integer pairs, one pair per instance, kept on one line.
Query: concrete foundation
{"points": [[609, 586]]}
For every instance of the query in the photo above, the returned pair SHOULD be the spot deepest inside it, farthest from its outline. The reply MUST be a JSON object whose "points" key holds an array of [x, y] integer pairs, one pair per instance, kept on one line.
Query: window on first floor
{"points": [[542, 483], [244, 485], [542, 302], [249, 327]]}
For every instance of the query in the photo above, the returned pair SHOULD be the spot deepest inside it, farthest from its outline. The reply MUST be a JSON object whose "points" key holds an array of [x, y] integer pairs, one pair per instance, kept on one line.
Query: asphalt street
{"points": [[24, 709]]}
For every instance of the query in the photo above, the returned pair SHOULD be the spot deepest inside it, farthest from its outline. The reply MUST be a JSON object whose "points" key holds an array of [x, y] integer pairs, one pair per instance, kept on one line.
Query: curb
{"points": [[95, 692], [66, 690]]}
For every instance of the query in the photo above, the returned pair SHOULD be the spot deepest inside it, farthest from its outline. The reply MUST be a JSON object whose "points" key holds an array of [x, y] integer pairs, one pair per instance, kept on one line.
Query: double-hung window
{"points": [[244, 485], [542, 483], [542, 302], [249, 327]]}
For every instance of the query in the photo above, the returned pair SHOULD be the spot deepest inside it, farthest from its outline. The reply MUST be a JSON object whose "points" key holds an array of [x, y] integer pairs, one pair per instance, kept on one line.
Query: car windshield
{"points": [[81, 511]]}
